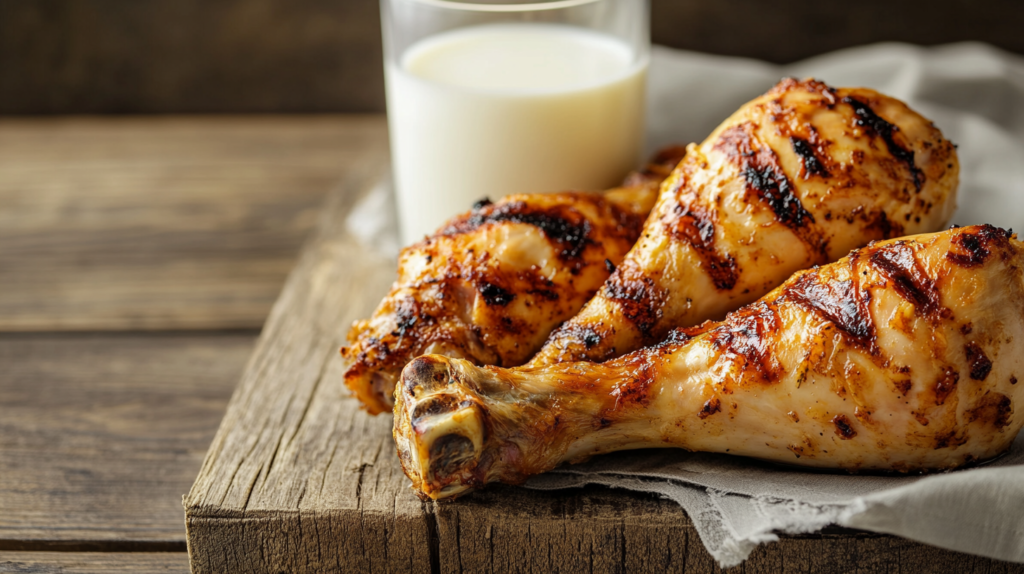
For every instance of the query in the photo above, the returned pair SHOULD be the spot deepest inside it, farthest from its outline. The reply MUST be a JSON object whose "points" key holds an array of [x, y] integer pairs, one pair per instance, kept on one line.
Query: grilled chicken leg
{"points": [[797, 177], [492, 283], [903, 356]]}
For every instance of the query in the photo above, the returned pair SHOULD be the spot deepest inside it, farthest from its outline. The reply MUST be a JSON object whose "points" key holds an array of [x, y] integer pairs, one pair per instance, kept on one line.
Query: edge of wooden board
{"points": [[299, 479]]}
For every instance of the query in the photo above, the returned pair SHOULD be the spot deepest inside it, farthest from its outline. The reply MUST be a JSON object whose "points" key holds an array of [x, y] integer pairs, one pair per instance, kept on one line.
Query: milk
{"points": [[493, 110]]}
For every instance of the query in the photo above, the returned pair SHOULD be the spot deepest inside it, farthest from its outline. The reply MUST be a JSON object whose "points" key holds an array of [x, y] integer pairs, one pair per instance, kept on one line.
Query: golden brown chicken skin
{"points": [[492, 283], [797, 177], [903, 356]]}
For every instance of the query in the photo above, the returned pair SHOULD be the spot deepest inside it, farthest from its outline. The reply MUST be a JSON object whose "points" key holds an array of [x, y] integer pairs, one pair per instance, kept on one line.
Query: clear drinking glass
{"points": [[488, 99]]}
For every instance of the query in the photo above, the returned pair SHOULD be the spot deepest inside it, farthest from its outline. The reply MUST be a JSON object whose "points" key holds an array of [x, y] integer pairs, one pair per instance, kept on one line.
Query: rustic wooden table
{"points": [[139, 259]]}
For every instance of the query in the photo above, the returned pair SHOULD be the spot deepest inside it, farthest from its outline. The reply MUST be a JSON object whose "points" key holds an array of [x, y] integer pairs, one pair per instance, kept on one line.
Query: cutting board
{"points": [[299, 479]]}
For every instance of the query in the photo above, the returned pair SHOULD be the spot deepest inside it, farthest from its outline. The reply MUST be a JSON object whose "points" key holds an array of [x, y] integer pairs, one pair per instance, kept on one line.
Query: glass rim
{"points": [[470, 6]]}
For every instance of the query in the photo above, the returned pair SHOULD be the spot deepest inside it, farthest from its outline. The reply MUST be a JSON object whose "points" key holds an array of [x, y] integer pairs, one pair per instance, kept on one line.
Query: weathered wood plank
{"points": [[864, 553], [102, 56], [594, 529], [161, 223], [101, 435], [298, 479], [93, 562]]}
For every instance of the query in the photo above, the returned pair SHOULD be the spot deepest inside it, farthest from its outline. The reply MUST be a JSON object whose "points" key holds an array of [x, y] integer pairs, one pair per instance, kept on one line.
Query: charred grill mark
{"points": [[764, 175], [772, 185], [586, 336], [949, 440], [629, 224], [979, 363], [843, 427], [548, 294], [609, 265], [897, 263], [712, 406], [494, 295], [695, 225], [946, 385], [971, 248], [636, 296], [572, 335], [887, 227], [1004, 410], [810, 162], [876, 219], [561, 224], [406, 316], [391, 350], [746, 337], [973, 254], [841, 303], [993, 408], [765, 179], [903, 386], [682, 335], [867, 118], [805, 139]]}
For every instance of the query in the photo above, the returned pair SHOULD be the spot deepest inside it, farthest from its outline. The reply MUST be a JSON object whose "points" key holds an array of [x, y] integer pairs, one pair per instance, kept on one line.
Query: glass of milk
{"points": [[488, 99]]}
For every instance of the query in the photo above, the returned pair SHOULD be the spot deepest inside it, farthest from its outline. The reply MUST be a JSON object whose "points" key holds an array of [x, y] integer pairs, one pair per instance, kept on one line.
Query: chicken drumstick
{"points": [[903, 356], [797, 177], [492, 283]]}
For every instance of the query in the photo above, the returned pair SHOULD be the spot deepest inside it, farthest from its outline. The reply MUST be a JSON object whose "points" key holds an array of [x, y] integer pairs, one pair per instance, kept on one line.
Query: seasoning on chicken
{"points": [[492, 283], [903, 356], [797, 177]]}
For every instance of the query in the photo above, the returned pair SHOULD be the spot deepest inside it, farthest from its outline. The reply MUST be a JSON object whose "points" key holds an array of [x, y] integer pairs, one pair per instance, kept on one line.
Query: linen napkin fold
{"points": [[975, 94], [737, 503]]}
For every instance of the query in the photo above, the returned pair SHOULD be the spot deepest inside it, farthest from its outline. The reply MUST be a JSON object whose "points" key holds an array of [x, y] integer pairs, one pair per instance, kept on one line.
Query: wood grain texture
{"points": [[120, 56], [506, 530], [298, 479], [93, 562], [183, 56], [151, 223], [100, 435]]}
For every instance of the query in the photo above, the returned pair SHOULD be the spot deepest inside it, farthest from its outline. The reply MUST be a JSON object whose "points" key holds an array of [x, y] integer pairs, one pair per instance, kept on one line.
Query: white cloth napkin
{"points": [[975, 94], [737, 503]]}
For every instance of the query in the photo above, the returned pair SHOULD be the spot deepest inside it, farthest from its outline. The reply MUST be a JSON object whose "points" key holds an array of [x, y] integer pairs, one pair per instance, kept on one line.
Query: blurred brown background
{"points": [[166, 56]]}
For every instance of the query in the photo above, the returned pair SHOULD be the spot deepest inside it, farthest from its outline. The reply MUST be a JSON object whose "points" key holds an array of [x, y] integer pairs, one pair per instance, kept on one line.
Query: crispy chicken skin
{"points": [[797, 177], [903, 356], [492, 283]]}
